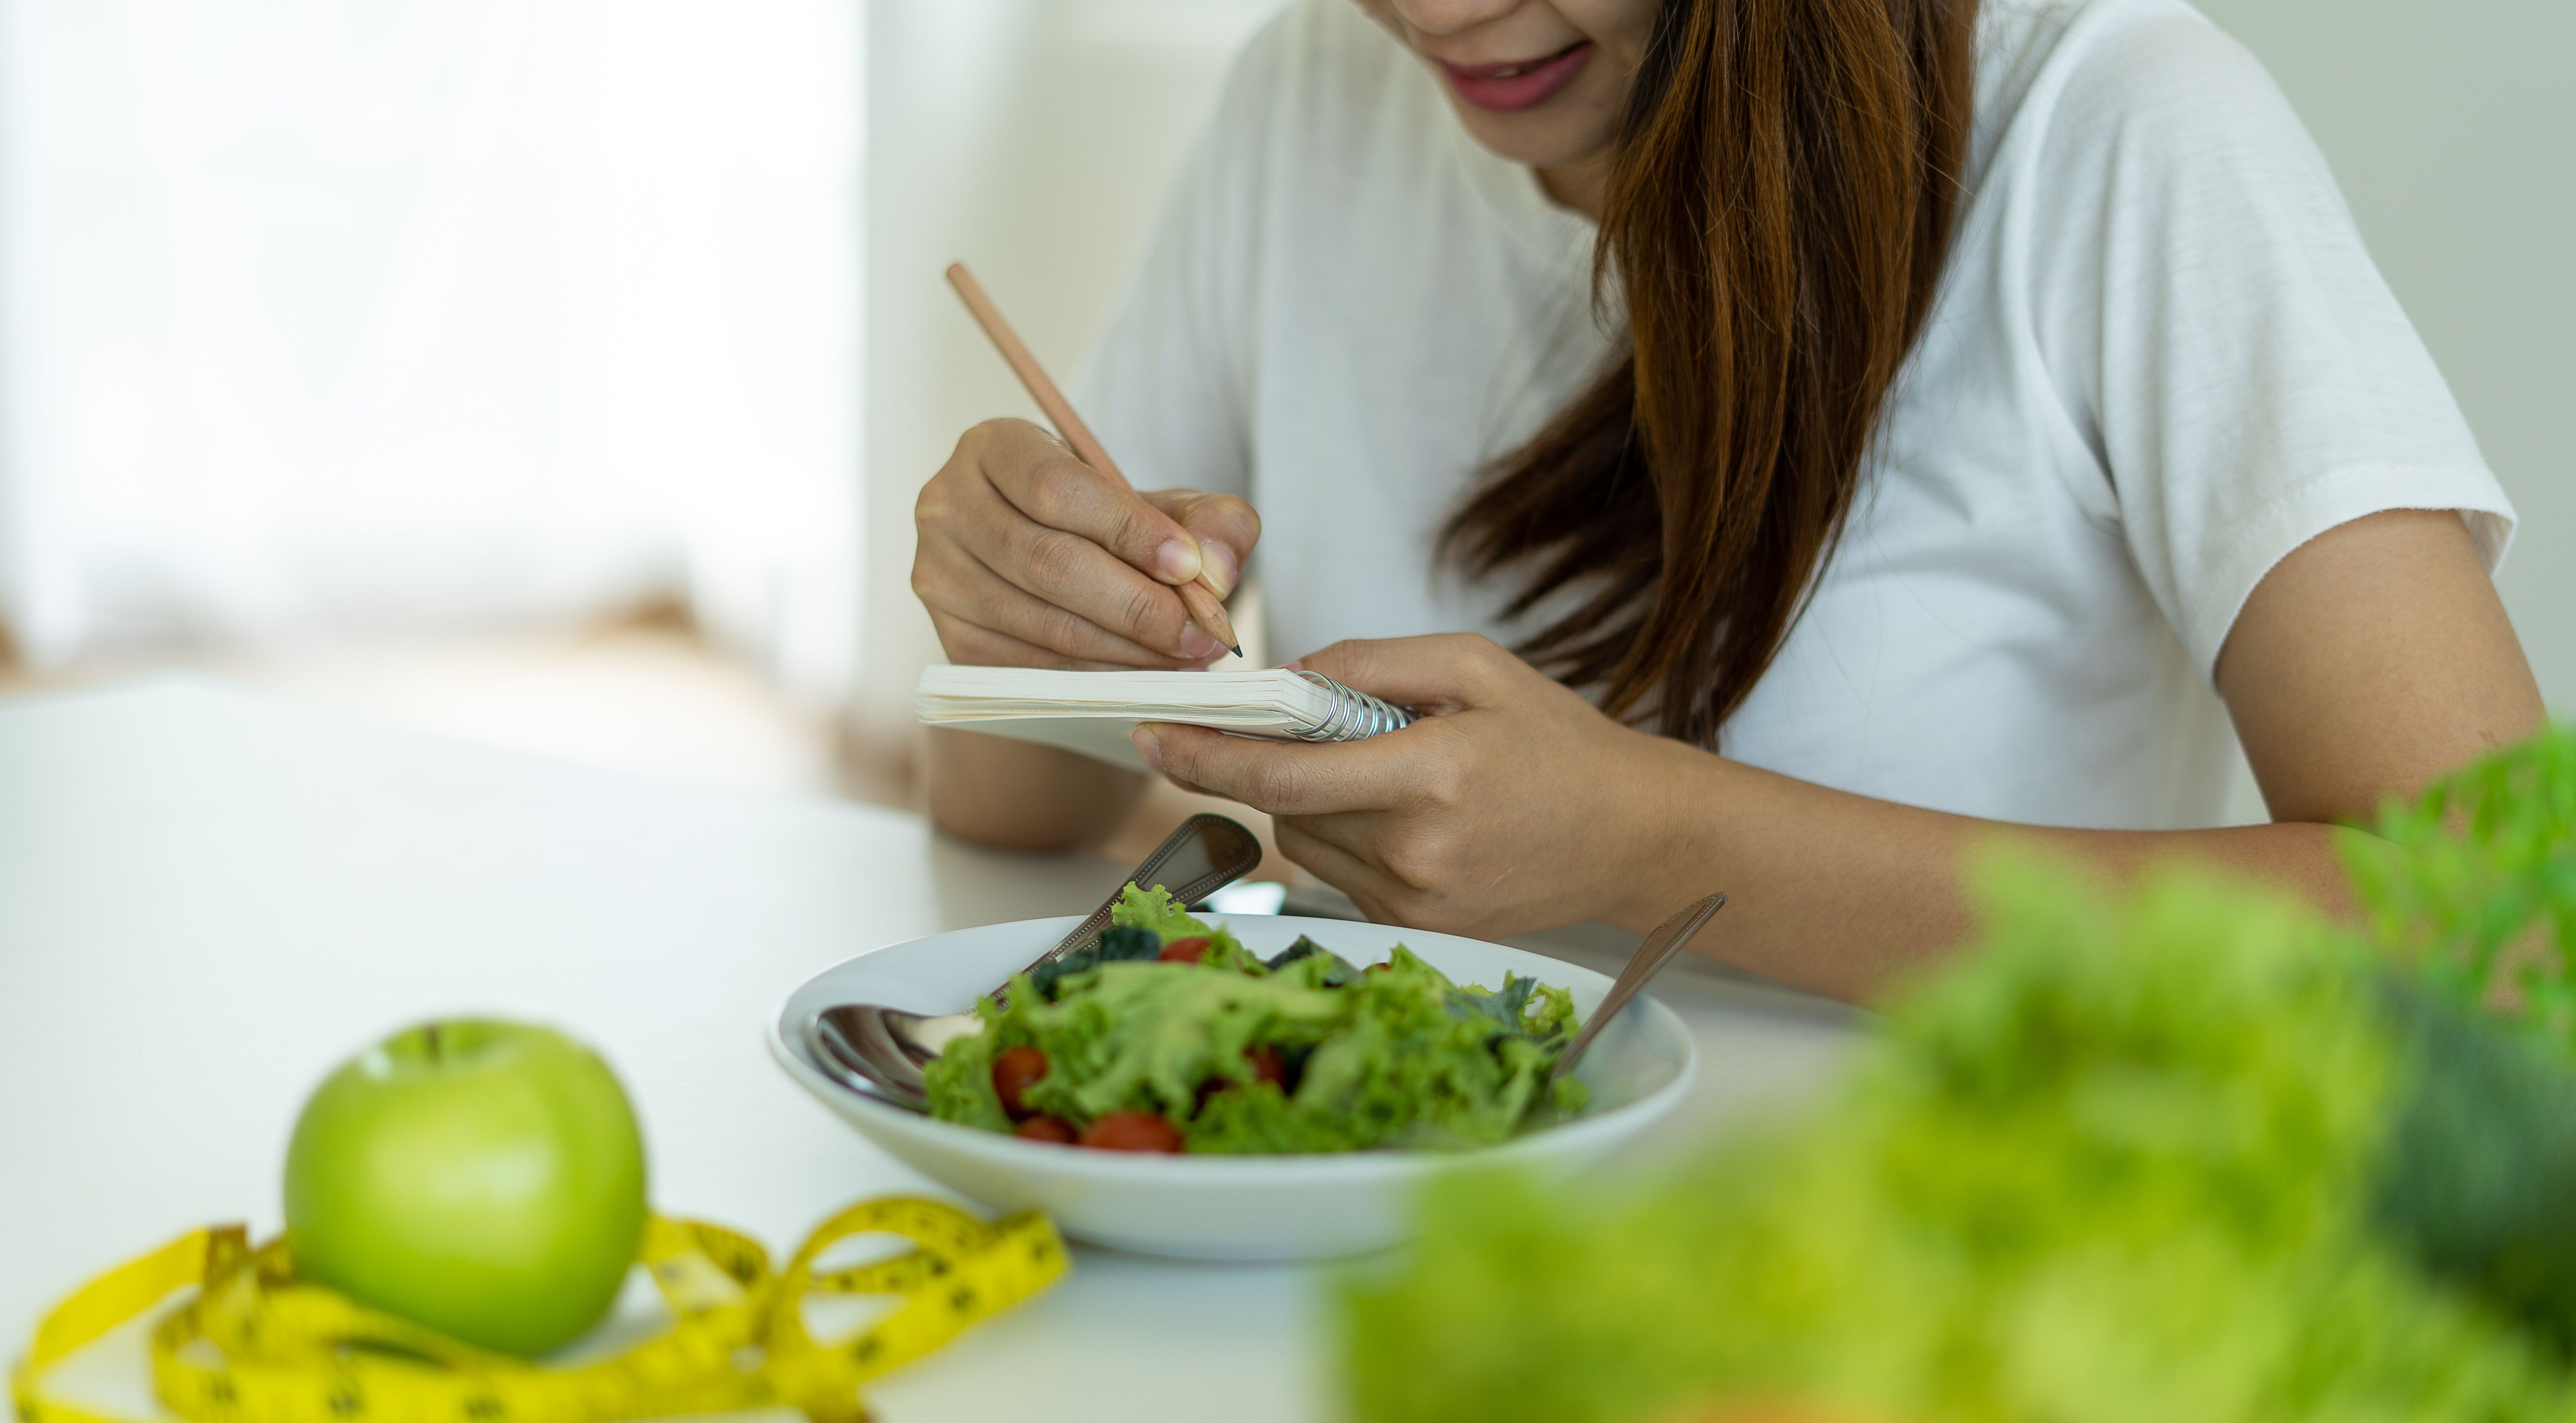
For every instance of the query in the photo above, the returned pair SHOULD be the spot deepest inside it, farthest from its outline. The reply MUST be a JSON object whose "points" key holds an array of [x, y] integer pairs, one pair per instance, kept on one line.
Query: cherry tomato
{"points": [[1013, 1073], [1055, 1129], [1266, 1067], [1189, 950], [1132, 1131]]}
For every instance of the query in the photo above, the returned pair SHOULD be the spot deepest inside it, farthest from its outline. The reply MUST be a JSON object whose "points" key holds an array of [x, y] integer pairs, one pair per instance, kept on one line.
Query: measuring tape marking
{"points": [[259, 1345]]}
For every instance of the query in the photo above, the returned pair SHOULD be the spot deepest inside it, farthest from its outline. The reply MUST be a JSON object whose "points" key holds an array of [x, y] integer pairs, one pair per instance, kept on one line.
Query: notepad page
{"points": [[1273, 702]]}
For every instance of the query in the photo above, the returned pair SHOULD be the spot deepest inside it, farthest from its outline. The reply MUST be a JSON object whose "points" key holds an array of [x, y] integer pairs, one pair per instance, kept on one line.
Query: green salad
{"points": [[1172, 1036]]}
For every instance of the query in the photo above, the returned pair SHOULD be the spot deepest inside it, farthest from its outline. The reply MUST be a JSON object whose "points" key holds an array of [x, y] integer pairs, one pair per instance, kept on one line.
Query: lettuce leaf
{"points": [[1155, 909], [1339, 972], [2474, 883]]}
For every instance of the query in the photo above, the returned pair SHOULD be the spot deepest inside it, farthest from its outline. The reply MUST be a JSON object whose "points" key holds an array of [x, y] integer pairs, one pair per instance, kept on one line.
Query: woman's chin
{"points": [[1542, 138]]}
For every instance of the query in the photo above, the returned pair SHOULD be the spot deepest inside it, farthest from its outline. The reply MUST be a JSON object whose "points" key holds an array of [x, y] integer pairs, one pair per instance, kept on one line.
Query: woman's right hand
{"points": [[1028, 557]]}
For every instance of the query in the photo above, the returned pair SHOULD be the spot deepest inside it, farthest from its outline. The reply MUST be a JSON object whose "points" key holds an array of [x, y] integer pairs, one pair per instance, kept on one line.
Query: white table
{"points": [[208, 897]]}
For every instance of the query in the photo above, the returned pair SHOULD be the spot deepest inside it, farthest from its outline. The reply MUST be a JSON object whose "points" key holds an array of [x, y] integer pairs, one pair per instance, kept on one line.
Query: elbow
{"points": [[991, 827]]}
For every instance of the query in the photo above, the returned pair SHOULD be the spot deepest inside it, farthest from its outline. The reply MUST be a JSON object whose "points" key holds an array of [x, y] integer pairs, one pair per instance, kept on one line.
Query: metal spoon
{"points": [[881, 1051], [1668, 939]]}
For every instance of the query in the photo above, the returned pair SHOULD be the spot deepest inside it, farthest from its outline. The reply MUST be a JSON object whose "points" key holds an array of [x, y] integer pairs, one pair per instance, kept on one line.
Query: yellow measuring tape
{"points": [[257, 1345]]}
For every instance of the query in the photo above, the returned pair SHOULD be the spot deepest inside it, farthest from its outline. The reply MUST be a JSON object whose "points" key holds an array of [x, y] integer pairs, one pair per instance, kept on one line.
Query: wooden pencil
{"points": [[1198, 595]]}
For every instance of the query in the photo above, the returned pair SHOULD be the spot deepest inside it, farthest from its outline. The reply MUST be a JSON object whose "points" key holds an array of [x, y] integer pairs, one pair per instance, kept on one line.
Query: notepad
{"points": [[1092, 712]]}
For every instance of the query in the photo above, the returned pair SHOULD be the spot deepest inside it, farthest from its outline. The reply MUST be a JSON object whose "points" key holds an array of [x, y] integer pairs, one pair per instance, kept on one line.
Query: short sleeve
{"points": [[2204, 301], [1168, 387]]}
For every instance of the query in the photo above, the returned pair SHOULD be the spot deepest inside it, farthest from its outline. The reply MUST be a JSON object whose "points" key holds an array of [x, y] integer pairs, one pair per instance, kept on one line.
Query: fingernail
{"points": [[1179, 560], [1219, 567], [1147, 747], [1196, 643]]}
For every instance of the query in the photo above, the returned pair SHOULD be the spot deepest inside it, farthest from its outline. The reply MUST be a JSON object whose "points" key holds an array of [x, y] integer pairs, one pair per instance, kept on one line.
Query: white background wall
{"points": [[1034, 137], [324, 321]]}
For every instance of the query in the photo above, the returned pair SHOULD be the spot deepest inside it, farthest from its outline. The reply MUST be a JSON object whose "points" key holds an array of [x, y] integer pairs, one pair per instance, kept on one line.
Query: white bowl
{"points": [[1225, 1207]]}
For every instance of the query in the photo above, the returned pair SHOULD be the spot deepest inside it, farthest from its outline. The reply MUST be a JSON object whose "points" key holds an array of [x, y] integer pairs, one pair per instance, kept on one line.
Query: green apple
{"points": [[484, 1178]]}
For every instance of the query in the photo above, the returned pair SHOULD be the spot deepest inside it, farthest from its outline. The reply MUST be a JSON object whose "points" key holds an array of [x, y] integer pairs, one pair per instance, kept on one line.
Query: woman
{"points": [[1981, 409]]}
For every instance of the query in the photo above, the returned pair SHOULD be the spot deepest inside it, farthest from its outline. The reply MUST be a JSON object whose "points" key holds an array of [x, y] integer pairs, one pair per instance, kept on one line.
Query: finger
{"points": [[1086, 580], [968, 645], [1199, 790], [1441, 672], [1368, 887], [1354, 834], [1053, 488], [951, 580], [1281, 777], [1224, 526], [1149, 750], [964, 513]]}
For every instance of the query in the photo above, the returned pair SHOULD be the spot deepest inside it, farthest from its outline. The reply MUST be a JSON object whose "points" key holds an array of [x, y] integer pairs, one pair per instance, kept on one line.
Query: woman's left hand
{"points": [[1512, 805]]}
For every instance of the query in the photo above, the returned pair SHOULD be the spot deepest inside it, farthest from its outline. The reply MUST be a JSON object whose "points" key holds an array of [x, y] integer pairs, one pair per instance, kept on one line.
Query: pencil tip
{"points": [[1237, 651]]}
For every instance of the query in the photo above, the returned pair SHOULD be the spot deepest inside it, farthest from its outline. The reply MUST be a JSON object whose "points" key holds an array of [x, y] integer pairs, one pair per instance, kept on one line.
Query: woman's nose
{"points": [[1448, 17]]}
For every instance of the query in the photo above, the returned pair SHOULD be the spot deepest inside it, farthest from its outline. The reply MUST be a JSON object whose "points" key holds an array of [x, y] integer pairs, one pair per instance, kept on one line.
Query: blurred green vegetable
{"points": [[2473, 886], [2478, 1181], [2183, 1152], [2475, 882]]}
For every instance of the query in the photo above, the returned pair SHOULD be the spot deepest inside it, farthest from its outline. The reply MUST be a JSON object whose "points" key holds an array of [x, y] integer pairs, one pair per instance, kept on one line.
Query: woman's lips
{"points": [[1521, 84]]}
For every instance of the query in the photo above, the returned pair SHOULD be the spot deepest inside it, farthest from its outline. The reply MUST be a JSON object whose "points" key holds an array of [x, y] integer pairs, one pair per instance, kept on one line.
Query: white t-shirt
{"points": [[2160, 360]]}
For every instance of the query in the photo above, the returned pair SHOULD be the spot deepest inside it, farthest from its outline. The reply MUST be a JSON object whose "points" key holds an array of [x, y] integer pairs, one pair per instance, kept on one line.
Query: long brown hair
{"points": [[1776, 220]]}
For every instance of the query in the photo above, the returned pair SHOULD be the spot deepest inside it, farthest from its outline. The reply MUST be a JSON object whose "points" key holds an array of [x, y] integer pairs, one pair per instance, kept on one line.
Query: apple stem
{"points": [[429, 1040]]}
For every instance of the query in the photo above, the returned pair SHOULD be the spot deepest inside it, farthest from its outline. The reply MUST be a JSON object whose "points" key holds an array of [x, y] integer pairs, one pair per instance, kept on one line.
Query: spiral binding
{"points": [[1354, 714]]}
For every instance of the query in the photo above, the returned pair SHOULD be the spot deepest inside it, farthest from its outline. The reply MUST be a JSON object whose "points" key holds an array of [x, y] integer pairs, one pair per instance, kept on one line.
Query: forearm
{"points": [[1846, 895], [1014, 795]]}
